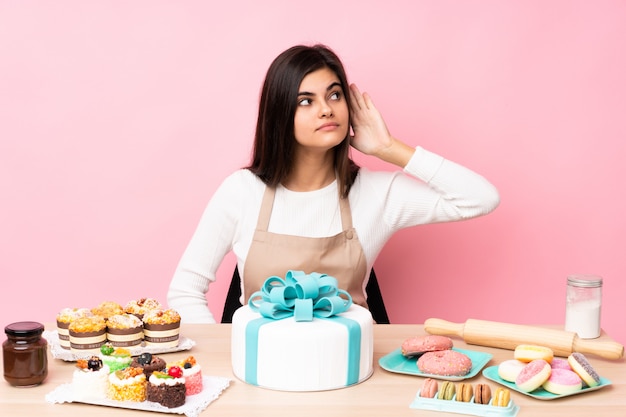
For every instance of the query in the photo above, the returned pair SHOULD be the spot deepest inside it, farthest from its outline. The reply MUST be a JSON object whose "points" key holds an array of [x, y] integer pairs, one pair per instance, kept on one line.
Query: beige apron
{"points": [[340, 256]]}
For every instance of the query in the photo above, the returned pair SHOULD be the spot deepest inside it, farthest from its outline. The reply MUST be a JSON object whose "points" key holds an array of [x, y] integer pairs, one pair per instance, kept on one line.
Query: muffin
{"points": [[107, 309], [149, 363], [87, 335], [161, 328], [90, 379], [124, 330], [127, 385], [141, 306], [116, 358], [167, 388], [64, 318]]}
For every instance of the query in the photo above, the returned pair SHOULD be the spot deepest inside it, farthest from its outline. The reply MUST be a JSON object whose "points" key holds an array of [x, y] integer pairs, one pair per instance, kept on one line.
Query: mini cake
{"points": [[167, 388], [161, 328], [64, 318], [114, 357], [193, 375], [149, 363], [107, 309], [124, 330], [142, 306], [127, 385], [90, 379], [87, 335]]}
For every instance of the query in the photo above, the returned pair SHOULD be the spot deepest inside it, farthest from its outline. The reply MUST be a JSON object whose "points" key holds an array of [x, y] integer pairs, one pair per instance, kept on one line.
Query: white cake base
{"points": [[303, 356]]}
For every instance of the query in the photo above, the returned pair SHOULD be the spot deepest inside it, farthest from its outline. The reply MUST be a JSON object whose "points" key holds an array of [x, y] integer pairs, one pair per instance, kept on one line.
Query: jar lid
{"points": [[24, 328], [583, 280]]}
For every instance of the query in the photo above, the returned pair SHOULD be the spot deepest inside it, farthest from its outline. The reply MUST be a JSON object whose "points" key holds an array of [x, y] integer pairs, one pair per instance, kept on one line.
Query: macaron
{"points": [[482, 394], [533, 375], [563, 381], [416, 346], [510, 369], [528, 353], [464, 392], [447, 391], [445, 363], [429, 389], [583, 368], [501, 397]]}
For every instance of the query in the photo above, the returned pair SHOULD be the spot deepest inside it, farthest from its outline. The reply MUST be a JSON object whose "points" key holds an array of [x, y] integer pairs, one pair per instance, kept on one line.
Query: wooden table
{"points": [[384, 394]]}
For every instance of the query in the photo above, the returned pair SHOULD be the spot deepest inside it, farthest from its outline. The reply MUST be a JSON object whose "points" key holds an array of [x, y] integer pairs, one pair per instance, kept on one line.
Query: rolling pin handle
{"points": [[607, 349], [443, 327]]}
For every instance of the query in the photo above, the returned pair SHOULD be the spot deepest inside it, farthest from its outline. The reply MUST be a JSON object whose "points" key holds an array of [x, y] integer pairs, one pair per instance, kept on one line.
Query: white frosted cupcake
{"points": [[90, 379]]}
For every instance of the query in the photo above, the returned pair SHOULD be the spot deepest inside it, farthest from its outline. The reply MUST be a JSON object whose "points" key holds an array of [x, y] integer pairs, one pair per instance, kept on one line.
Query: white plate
{"points": [[213, 386], [67, 355]]}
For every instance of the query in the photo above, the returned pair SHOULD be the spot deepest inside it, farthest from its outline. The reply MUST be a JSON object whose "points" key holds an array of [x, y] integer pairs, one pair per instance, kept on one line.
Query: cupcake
{"points": [[107, 309], [149, 363], [90, 379], [167, 388], [127, 385], [87, 335], [192, 373], [142, 306], [64, 318], [124, 330], [161, 328], [115, 358]]}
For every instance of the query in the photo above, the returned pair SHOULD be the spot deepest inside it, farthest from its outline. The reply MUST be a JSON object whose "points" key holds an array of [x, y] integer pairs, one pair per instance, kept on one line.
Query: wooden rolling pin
{"points": [[508, 336]]}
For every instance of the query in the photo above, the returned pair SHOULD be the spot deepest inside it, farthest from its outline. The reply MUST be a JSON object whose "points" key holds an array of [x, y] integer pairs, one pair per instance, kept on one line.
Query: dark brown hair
{"points": [[274, 140]]}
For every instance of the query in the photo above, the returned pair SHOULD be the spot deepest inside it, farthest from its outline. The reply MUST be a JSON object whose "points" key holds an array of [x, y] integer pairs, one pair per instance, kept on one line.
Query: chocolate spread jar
{"points": [[25, 354]]}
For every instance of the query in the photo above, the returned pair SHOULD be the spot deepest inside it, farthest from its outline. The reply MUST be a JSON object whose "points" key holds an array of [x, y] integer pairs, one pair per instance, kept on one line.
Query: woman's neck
{"points": [[311, 173]]}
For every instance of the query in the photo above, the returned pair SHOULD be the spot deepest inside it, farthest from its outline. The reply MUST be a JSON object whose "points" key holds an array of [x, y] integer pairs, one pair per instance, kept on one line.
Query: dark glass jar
{"points": [[25, 354]]}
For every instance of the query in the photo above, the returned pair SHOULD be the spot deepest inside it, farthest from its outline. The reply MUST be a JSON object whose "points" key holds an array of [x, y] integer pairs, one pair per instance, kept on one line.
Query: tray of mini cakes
{"points": [[114, 378], [536, 372], [141, 325]]}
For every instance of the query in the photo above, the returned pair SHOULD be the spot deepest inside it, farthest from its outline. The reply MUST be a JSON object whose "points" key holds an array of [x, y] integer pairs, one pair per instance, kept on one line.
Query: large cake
{"points": [[294, 337]]}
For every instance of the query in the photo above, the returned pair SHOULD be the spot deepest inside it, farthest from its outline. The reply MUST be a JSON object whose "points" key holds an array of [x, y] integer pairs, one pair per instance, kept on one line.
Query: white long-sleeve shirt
{"points": [[431, 189]]}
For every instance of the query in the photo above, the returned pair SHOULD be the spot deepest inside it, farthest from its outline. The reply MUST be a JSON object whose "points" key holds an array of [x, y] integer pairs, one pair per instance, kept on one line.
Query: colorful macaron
{"points": [[429, 389], [446, 391], [482, 394]]}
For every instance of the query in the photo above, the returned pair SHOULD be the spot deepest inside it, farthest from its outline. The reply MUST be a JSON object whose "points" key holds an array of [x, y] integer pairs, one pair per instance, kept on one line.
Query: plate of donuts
{"points": [[540, 393], [399, 363]]}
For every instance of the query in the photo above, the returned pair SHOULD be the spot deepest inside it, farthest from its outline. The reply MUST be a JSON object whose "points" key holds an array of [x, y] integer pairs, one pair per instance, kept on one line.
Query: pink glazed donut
{"points": [[533, 375], [445, 363], [563, 381]]}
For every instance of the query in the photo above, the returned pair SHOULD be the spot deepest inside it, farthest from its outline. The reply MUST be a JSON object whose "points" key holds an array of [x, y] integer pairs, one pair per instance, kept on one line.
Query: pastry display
{"points": [[124, 330], [90, 379], [167, 388], [444, 362], [161, 328], [87, 335]]}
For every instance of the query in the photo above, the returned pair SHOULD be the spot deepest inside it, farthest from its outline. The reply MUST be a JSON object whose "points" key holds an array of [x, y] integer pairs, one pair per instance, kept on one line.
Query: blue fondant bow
{"points": [[300, 295]]}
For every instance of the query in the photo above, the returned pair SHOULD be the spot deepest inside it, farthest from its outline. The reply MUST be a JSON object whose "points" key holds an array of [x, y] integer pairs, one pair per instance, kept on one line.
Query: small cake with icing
{"points": [[192, 372], [128, 384], [583, 368], [161, 328], [141, 306], [149, 363], [302, 350], [563, 381], [115, 358], [167, 388], [64, 318], [124, 330], [528, 353], [445, 363], [87, 335], [90, 379], [107, 309], [533, 375]]}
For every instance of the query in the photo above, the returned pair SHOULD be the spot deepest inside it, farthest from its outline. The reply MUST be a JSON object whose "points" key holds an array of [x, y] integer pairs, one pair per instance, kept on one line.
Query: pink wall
{"points": [[119, 119]]}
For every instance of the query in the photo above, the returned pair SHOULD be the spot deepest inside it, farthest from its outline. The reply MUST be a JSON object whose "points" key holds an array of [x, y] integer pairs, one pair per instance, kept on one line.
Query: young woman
{"points": [[303, 204]]}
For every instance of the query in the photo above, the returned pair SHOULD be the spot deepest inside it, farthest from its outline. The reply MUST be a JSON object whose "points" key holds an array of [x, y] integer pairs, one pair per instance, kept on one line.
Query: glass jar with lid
{"points": [[584, 305], [24, 354]]}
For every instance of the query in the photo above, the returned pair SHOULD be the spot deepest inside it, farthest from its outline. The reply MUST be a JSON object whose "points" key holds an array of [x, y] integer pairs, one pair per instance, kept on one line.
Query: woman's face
{"points": [[322, 119]]}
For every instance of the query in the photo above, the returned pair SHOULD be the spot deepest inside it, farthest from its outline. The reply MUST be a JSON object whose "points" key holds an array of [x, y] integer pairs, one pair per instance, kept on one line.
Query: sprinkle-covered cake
{"points": [[149, 363], [87, 335], [161, 328], [192, 372], [90, 379], [142, 306], [64, 318], [124, 330], [127, 385], [115, 358], [167, 388]]}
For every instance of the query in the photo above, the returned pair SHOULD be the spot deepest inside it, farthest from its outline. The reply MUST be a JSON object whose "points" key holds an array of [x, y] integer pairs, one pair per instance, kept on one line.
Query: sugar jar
{"points": [[583, 305], [25, 354]]}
